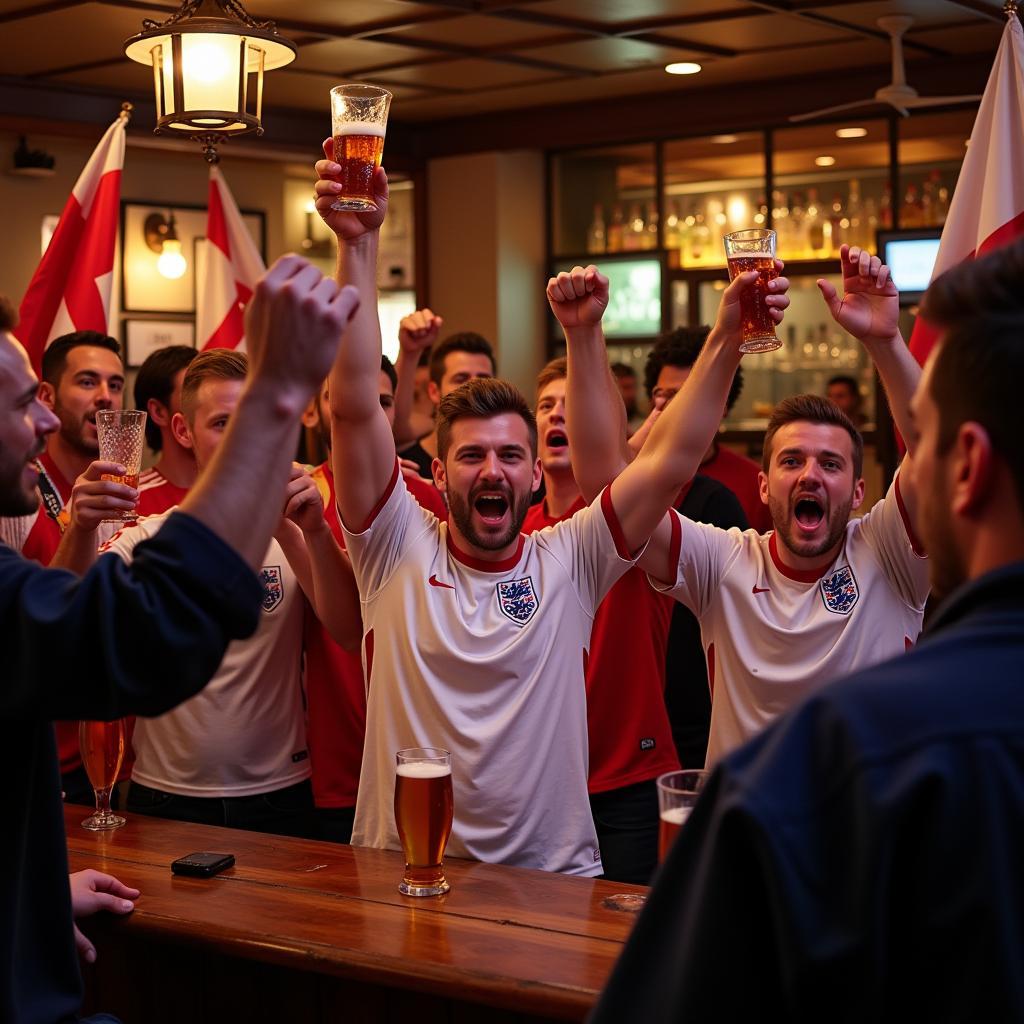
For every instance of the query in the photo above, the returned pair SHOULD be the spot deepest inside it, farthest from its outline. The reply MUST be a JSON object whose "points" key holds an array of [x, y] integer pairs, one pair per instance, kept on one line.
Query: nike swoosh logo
{"points": [[761, 590], [435, 582]]}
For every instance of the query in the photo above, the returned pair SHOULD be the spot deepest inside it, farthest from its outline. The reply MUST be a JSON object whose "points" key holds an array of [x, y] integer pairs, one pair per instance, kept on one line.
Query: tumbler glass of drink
{"points": [[677, 794], [754, 249], [423, 814], [359, 119], [102, 746], [122, 433]]}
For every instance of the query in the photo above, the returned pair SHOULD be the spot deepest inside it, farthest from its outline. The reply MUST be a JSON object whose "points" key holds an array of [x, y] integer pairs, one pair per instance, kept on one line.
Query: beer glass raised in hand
{"points": [[359, 119], [102, 746], [423, 815], [754, 249], [121, 434], [677, 794]]}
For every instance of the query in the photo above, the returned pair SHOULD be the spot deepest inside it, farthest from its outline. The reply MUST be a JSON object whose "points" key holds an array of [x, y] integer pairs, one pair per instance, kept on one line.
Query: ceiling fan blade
{"points": [[832, 110], [937, 101]]}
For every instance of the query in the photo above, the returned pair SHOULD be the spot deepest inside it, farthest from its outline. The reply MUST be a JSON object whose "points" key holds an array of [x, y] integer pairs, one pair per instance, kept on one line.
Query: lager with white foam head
{"points": [[424, 807], [359, 119]]}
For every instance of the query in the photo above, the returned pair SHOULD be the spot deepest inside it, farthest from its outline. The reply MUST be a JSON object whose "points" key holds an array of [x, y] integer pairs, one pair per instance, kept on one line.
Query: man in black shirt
{"points": [[861, 859]]}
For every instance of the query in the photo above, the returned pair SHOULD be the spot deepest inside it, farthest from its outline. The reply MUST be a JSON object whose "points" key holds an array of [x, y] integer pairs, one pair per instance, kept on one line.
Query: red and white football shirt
{"points": [[627, 723], [486, 660], [157, 494], [772, 634]]}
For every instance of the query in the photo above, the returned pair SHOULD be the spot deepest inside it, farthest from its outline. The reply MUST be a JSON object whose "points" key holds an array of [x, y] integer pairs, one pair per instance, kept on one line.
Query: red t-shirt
{"points": [[157, 494], [628, 726], [335, 690], [739, 474]]}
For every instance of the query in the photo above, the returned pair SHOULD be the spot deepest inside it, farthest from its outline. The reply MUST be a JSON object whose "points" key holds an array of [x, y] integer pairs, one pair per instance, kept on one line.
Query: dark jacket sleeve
{"points": [[123, 639]]}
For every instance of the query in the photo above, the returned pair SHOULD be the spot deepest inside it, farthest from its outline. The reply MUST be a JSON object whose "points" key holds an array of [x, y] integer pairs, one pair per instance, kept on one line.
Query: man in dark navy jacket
{"points": [[133, 639], [863, 859]]}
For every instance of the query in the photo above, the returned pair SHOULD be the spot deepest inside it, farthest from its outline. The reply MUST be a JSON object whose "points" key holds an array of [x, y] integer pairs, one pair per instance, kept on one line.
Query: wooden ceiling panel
{"points": [[342, 14], [479, 31], [342, 56], [465, 75], [924, 12], [759, 32], [617, 12], [610, 54]]}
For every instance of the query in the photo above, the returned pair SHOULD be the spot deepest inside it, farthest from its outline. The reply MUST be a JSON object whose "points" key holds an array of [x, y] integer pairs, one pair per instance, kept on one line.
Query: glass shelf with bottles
{"points": [[698, 217], [632, 226]]}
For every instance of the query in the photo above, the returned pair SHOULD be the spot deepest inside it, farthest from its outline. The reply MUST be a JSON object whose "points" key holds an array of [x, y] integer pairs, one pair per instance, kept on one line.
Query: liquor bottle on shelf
{"points": [[930, 203], [885, 208], [799, 243], [840, 223], [761, 217], [633, 235], [942, 205], [651, 231], [870, 224], [616, 230], [910, 211], [782, 224], [672, 226], [819, 227], [700, 241], [597, 241], [854, 233]]}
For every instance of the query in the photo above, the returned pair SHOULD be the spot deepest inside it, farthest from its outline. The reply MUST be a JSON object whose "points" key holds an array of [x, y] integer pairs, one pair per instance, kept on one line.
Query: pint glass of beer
{"points": [[677, 794], [359, 118], [121, 434], [754, 249], [102, 746], [423, 814]]}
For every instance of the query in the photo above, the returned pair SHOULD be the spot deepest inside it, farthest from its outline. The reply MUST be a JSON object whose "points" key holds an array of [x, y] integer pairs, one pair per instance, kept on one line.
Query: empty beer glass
{"points": [[423, 814], [359, 119]]}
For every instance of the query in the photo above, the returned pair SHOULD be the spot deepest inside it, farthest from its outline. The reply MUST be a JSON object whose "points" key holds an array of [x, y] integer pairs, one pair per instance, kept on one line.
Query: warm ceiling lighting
{"points": [[208, 60], [725, 140], [851, 133], [685, 67], [824, 161], [162, 237]]}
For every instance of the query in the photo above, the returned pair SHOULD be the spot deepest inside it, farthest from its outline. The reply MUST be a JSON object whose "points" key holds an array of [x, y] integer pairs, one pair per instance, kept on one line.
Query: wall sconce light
{"points": [[162, 237], [208, 60]]}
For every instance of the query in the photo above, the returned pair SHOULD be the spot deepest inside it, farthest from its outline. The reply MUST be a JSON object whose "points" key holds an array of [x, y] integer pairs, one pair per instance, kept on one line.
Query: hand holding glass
{"points": [[122, 433], [424, 808], [754, 249], [359, 119], [102, 747]]}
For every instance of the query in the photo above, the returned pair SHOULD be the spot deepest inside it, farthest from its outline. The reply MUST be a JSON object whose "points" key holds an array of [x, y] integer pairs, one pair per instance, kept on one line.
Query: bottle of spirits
{"points": [[910, 211], [700, 241], [854, 233], [633, 236], [651, 231], [800, 246], [616, 230], [819, 227], [885, 208], [839, 222], [597, 241], [672, 226]]}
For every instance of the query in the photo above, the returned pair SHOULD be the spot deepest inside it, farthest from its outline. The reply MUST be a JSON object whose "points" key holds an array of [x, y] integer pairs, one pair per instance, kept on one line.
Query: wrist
{"points": [[882, 341], [722, 342], [274, 401], [364, 244], [584, 334]]}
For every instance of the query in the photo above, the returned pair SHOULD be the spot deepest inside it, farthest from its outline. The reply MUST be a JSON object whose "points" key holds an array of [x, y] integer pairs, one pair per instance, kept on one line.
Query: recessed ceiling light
{"points": [[824, 161], [685, 67], [725, 140], [851, 133]]}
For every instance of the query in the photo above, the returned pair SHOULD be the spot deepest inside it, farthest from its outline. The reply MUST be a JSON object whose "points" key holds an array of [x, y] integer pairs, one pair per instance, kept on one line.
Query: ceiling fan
{"points": [[897, 93]]}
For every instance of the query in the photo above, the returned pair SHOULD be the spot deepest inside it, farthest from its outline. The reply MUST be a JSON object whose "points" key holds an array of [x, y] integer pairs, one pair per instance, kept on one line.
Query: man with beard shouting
{"points": [[475, 636], [821, 595]]}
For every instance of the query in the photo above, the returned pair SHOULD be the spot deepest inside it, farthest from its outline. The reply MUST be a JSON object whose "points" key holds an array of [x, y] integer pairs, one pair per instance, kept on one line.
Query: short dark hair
{"points": [[557, 369], [813, 409], [213, 364], [680, 348], [848, 382], [388, 368], [156, 380], [8, 314], [55, 358], [465, 341], [482, 398], [978, 306], [623, 370]]}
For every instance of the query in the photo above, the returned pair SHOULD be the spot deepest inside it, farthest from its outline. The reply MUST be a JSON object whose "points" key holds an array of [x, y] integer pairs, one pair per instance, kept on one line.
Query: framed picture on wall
{"points": [[142, 337], [144, 287]]}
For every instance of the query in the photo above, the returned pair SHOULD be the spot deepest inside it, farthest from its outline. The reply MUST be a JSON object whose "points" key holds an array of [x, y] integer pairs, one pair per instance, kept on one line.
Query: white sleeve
{"points": [[387, 534], [699, 557], [123, 542], [14, 530], [592, 548], [887, 531]]}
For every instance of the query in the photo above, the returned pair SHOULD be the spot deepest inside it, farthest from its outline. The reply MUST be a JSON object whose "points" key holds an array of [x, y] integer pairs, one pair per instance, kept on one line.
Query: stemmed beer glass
{"points": [[102, 746]]}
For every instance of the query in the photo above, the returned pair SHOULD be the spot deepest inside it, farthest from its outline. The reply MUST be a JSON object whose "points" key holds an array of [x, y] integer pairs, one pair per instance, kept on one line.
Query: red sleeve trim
{"points": [[375, 511], [621, 547], [675, 545], [915, 544]]}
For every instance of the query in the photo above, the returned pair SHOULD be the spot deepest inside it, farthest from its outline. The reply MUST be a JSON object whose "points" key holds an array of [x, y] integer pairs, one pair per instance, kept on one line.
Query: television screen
{"points": [[911, 259], [634, 305]]}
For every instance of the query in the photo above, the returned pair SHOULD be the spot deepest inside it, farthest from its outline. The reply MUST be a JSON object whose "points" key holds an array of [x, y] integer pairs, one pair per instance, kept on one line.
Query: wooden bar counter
{"points": [[308, 931]]}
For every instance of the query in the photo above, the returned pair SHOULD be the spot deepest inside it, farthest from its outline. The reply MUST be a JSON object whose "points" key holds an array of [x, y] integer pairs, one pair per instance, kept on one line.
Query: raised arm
{"points": [[416, 333], [362, 445], [292, 328], [594, 413], [870, 311]]}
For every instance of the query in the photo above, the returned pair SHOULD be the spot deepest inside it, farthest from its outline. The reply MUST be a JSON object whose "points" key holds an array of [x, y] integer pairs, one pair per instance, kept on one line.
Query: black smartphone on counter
{"points": [[202, 865]]}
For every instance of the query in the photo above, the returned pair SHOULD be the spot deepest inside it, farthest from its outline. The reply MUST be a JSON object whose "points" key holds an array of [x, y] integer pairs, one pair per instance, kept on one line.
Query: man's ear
{"points": [[158, 412], [311, 414], [47, 394], [440, 476], [972, 466], [179, 427], [433, 393]]}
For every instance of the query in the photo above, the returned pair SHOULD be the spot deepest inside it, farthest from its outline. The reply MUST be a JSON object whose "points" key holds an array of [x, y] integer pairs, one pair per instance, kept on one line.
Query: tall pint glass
{"points": [[423, 814], [677, 794], [102, 746], [754, 249], [359, 119]]}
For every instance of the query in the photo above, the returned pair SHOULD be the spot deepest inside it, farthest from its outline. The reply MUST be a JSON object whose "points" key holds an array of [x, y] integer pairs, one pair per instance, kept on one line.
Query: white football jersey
{"points": [[244, 733], [485, 659], [772, 634]]}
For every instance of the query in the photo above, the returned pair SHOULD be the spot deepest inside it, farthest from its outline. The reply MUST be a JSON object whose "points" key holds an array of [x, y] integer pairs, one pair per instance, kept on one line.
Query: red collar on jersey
{"points": [[478, 563], [798, 575]]}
